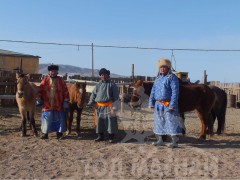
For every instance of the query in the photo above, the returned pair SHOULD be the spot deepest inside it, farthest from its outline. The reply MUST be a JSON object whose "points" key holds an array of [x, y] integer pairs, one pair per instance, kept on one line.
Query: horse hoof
{"points": [[202, 138], [23, 135], [36, 134], [79, 136]]}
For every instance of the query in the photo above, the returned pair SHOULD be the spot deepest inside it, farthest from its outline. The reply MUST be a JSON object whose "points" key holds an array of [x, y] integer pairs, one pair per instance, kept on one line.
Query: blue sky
{"points": [[200, 24]]}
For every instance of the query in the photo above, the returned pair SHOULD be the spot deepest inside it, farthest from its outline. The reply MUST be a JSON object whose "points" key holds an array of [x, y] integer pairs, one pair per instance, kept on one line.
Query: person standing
{"points": [[164, 100], [105, 98], [54, 97]]}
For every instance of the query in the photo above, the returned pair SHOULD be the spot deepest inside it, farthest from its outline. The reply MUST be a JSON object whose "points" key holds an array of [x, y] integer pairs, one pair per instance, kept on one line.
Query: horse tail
{"points": [[223, 111]]}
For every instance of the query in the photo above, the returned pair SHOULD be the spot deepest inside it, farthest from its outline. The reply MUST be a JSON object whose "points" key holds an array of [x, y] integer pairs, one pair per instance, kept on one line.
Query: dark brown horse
{"points": [[193, 97], [77, 94], [26, 99]]}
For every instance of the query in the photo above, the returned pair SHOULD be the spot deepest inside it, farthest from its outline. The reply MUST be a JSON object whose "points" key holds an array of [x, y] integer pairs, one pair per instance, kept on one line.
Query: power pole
{"points": [[20, 70], [204, 77], [132, 72]]}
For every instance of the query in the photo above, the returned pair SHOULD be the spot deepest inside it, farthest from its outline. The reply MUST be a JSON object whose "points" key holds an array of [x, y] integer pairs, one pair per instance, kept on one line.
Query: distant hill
{"points": [[73, 70]]}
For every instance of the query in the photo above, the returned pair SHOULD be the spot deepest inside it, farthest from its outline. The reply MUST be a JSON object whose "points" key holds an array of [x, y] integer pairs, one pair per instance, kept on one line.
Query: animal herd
{"points": [[210, 102]]}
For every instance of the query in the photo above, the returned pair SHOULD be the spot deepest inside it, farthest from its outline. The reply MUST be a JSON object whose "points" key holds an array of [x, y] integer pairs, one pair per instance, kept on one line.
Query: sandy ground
{"points": [[131, 157]]}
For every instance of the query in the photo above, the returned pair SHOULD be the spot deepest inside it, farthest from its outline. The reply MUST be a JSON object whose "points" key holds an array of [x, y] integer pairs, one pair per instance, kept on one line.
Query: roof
{"points": [[12, 53]]}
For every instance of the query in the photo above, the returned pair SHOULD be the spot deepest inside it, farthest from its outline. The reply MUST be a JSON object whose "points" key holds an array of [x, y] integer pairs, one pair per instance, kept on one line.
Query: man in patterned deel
{"points": [[54, 97]]}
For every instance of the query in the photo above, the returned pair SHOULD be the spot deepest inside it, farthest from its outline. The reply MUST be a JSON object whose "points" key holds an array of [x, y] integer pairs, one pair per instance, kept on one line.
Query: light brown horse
{"points": [[192, 97], [26, 99], [77, 94]]}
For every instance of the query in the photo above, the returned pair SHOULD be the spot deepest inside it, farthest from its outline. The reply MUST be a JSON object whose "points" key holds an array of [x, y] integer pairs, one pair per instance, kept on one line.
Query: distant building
{"points": [[10, 61]]}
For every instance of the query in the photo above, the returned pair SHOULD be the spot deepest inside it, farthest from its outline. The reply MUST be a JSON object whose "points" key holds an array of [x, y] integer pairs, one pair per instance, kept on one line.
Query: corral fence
{"points": [[7, 88], [125, 85], [232, 90], [8, 84]]}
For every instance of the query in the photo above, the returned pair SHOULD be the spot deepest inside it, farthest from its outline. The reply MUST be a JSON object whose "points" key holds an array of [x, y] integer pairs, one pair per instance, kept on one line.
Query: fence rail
{"points": [[8, 85]]}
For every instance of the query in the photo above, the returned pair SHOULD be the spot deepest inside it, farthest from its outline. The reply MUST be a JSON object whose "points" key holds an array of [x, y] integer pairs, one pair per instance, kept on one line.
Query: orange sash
{"points": [[164, 102], [102, 104]]}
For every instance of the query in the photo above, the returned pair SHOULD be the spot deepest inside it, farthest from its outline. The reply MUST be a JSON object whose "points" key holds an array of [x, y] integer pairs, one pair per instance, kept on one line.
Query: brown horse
{"points": [[193, 97], [77, 94], [26, 99]]}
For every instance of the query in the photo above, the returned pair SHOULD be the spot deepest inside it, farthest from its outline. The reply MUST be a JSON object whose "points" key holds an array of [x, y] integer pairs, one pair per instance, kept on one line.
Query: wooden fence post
{"points": [[204, 77]]}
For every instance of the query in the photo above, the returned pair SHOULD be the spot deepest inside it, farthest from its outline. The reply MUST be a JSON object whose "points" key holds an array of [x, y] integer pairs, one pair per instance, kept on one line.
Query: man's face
{"points": [[53, 73], [164, 69], [104, 77]]}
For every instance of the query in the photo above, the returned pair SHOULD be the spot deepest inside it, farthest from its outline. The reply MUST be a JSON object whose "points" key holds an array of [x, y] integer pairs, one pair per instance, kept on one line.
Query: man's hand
{"points": [[39, 102], [65, 104]]}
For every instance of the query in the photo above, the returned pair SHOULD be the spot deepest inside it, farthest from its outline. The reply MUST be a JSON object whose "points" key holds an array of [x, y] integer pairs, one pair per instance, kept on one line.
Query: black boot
{"points": [[111, 137], [59, 135], [100, 137], [44, 136]]}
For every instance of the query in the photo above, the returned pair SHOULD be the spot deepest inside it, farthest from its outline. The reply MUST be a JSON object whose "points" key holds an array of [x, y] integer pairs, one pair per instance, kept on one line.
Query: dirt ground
{"points": [[132, 156]]}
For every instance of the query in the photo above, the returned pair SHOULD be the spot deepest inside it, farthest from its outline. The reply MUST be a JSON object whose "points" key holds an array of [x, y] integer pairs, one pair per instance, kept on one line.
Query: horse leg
{"points": [[23, 125], [32, 123], [24, 128], [79, 113], [219, 129], [29, 120], [69, 122], [211, 122], [182, 116], [34, 130], [203, 117]]}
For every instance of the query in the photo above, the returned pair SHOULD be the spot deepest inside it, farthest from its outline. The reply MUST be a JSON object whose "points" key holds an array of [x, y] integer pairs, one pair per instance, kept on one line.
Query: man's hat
{"points": [[164, 62], [104, 71], [53, 67]]}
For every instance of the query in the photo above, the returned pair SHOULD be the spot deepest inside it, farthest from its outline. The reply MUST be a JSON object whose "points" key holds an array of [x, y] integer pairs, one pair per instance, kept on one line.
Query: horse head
{"points": [[22, 80], [80, 94], [138, 90]]}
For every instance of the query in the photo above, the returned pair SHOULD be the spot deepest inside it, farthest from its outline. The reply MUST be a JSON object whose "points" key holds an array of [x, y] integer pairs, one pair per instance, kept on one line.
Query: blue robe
{"points": [[53, 121], [165, 88]]}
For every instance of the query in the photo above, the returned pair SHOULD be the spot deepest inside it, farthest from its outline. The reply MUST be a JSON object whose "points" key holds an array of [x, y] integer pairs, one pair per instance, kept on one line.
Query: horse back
{"points": [[195, 96]]}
